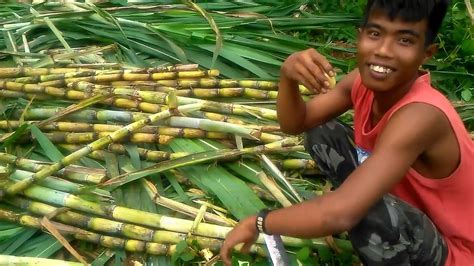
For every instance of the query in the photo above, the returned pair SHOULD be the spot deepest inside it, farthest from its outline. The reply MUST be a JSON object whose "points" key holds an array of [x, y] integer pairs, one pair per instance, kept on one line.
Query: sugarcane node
{"points": [[108, 209]]}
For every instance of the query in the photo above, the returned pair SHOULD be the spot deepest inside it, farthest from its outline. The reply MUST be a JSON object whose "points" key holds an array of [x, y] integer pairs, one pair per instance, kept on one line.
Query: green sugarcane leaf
{"points": [[88, 162], [103, 257], [43, 246], [120, 257], [52, 152], [244, 63], [19, 241], [177, 50], [180, 248], [111, 164], [159, 260], [132, 151], [183, 197], [187, 256], [215, 28], [9, 139], [8, 233], [324, 253], [303, 254], [108, 17], [234, 194], [167, 165]]}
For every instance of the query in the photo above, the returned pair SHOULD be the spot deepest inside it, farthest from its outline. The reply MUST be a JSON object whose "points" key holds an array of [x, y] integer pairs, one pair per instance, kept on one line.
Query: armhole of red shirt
{"points": [[355, 91]]}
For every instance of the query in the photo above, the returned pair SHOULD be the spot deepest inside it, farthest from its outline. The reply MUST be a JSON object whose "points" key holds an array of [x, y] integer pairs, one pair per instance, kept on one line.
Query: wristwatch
{"points": [[260, 222]]}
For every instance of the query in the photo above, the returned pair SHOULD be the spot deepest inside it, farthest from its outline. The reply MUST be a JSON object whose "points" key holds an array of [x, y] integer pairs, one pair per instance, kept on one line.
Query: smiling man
{"points": [[404, 178]]}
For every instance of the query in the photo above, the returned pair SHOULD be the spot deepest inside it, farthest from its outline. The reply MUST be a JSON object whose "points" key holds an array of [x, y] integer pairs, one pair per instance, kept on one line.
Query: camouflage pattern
{"points": [[393, 232]]}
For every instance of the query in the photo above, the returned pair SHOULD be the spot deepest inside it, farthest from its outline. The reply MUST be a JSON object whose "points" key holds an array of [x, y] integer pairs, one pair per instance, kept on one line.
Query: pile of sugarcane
{"points": [[158, 128]]}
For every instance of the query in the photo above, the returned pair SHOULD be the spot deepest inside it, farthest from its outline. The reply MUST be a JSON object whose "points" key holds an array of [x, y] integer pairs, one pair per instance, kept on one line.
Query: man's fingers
{"points": [[308, 80], [246, 247], [323, 63], [225, 256]]}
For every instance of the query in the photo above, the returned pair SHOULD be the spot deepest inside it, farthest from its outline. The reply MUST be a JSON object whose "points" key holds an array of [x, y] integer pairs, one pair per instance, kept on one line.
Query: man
{"points": [[404, 191]]}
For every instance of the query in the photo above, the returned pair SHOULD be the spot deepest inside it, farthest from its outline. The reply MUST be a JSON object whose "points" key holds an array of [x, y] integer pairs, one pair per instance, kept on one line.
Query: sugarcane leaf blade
{"points": [[51, 150]]}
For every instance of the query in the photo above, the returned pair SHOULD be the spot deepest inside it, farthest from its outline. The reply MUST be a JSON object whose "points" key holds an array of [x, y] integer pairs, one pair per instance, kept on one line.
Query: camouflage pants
{"points": [[393, 232]]}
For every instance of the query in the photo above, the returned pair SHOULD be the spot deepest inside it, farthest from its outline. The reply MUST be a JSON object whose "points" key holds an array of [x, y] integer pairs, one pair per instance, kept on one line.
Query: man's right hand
{"points": [[308, 68]]}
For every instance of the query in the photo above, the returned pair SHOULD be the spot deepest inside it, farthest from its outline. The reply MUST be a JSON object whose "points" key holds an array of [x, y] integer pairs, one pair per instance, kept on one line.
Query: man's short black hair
{"points": [[412, 11]]}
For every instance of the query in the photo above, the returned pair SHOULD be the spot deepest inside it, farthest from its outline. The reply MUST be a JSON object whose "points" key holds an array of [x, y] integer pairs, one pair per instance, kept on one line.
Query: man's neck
{"points": [[383, 101]]}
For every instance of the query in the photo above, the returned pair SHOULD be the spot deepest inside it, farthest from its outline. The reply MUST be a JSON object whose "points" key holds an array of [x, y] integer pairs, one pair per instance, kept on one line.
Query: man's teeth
{"points": [[380, 69]]}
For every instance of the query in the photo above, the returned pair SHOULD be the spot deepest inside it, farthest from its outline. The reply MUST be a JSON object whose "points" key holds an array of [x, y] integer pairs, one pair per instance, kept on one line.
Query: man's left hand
{"points": [[245, 232]]}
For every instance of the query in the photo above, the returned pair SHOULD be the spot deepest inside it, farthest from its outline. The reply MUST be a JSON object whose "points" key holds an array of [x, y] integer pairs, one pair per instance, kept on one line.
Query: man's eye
{"points": [[374, 33], [406, 41]]}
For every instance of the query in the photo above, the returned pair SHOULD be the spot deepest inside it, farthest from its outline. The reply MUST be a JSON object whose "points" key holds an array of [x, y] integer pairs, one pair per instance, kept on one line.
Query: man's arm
{"points": [[308, 68], [410, 132]]}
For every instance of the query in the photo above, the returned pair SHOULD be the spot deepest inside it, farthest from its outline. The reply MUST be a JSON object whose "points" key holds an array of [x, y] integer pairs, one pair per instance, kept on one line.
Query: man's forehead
{"points": [[381, 18], [398, 18]]}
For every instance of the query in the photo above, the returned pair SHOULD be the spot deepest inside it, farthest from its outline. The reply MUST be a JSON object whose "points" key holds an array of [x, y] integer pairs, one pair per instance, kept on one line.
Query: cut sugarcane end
{"points": [[332, 81]]}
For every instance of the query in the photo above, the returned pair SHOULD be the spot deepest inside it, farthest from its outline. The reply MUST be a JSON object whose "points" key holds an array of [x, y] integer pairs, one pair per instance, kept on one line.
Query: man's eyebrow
{"points": [[373, 25], [410, 32], [402, 31]]}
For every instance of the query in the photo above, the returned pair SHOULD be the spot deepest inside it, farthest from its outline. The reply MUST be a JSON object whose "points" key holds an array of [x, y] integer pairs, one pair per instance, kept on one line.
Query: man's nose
{"points": [[385, 48]]}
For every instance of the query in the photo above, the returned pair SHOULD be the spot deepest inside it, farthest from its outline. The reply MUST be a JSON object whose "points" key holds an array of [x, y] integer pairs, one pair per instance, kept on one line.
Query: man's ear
{"points": [[430, 51]]}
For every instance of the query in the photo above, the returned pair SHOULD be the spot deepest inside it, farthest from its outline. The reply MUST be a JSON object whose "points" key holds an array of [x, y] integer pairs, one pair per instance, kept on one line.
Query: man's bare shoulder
{"points": [[415, 128]]}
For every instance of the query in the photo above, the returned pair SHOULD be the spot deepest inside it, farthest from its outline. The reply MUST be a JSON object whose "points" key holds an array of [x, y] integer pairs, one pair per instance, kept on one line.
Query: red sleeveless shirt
{"points": [[449, 202]]}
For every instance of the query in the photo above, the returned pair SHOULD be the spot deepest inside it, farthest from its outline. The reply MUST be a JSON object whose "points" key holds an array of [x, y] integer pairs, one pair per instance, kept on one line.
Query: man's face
{"points": [[390, 52]]}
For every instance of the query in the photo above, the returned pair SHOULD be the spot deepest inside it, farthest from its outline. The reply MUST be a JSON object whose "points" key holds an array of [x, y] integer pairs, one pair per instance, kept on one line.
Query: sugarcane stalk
{"points": [[145, 154], [237, 109], [206, 93], [32, 261], [73, 173], [58, 184], [206, 83], [87, 86], [217, 126], [43, 78], [80, 234], [159, 156], [150, 97], [88, 137], [42, 92], [183, 208], [16, 95], [112, 116], [96, 145], [191, 68], [196, 158], [211, 106], [273, 188], [145, 97], [28, 71], [296, 164], [107, 226], [202, 93], [90, 128], [129, 76], [152, 220]]}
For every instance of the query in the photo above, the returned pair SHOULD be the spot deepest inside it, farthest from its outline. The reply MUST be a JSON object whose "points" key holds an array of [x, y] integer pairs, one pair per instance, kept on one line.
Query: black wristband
{"points": [[260, 222]]}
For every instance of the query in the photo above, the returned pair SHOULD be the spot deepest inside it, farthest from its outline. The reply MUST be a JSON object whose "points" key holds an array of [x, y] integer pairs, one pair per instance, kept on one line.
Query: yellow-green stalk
{"points": [[96, 145], [73, 173], [33, 261]]}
